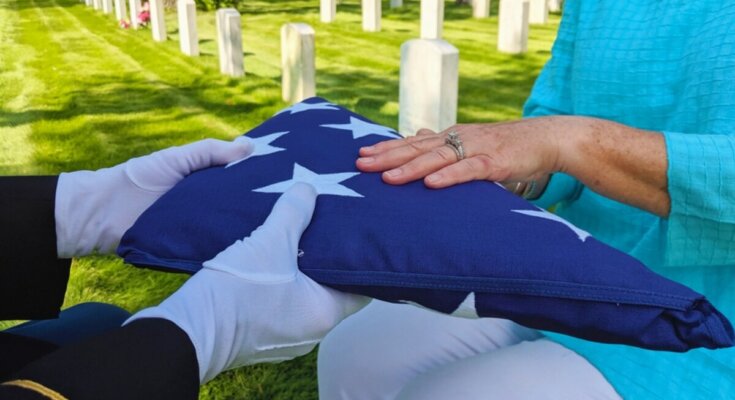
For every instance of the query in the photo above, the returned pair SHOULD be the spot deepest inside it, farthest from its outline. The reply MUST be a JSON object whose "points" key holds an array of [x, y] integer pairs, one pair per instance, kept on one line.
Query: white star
{"points": [[361, 128], [324, 183], [583, 235], [468, 308], [262, 146], [300, 107]]}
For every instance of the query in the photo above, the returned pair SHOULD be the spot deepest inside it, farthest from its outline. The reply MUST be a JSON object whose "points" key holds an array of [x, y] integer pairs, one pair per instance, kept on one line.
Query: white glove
{"points": [[95, 208], [251, 304]]}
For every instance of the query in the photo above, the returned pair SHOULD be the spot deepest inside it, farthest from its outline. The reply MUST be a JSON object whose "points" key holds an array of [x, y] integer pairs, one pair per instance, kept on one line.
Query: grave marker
{"points": [[371, 12], [432, 19], [554, 5], [134, 11], [539, 12], [428, 85], [229, 42], [121, 11], [513, 26], [297, 62], [188, 38], [158, 20], [328, 10], [481, 8]]}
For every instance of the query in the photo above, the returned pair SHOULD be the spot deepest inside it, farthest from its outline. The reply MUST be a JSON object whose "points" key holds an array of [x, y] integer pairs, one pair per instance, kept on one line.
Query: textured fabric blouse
{"points": [[668, 66]]}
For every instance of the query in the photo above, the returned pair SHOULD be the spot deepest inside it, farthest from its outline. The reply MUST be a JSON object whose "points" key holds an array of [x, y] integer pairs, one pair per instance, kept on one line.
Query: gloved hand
{"points": [[251, 304], [95, 208]]}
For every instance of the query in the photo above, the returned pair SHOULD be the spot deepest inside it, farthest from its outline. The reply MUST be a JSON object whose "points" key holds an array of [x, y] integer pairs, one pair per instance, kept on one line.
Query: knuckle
{"points": [[445, 154], [481, 164], [210, 144], [415, 147], [381, 146]]}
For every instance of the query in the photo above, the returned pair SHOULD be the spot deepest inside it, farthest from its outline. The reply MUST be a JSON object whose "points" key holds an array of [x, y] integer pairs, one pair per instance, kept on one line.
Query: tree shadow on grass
{"points": [[93, 123], [27, 4]]}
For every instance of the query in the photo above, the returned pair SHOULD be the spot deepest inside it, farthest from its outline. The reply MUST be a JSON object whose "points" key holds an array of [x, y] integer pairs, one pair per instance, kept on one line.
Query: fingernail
{"points": [[433, 178], [368, 148], [366, 160], [394, 172]]}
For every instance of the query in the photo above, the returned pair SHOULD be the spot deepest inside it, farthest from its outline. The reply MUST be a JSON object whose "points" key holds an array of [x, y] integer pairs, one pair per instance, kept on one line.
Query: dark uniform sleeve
{"points": [[32, 279], [147, 359]]}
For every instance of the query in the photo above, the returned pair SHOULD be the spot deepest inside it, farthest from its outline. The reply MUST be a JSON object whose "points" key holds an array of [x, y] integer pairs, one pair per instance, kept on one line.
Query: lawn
{"points": [[77, 92]]}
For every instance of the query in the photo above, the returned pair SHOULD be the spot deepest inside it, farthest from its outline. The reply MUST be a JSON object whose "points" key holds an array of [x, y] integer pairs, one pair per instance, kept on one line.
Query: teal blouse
{"points": [[668, 66]]}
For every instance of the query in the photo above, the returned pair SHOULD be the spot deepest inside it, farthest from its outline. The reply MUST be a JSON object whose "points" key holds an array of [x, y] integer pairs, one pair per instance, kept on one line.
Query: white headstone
{"points": [[432, 19], [107, 6], [158, 20], [513, 26], [554, 5], [327, 10], [121, 11], [428, 85], [481, 8], [229, 42], [539, 12], [89, 3], [134, 11], [371, 13], [97, 4], [396, 3], [188, 38], [297, 62]]}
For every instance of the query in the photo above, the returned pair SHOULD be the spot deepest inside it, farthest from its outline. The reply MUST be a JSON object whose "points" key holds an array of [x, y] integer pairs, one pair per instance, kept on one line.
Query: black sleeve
{"points": [[147, 359], [32, 279]]}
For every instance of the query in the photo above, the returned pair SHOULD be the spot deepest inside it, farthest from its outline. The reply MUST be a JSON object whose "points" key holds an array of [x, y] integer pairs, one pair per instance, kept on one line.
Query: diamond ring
{"points": [[455, 143]]}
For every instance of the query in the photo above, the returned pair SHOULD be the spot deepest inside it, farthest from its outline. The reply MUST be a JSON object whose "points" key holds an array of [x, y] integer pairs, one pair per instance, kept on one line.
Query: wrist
{"points": [[84, 223], [574, 135]]}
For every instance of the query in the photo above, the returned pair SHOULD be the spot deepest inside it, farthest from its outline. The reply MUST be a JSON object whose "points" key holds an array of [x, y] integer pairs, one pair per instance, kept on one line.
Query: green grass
{"points": [[76, 92]]}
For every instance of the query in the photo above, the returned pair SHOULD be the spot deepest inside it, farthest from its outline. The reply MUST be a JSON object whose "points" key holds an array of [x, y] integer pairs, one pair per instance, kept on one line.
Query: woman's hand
{"points": [[617, 161], [512, 152]]}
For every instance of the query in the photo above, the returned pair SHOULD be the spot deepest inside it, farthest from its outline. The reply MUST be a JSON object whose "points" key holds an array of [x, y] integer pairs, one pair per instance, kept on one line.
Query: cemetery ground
{"points": [[77, 92]]}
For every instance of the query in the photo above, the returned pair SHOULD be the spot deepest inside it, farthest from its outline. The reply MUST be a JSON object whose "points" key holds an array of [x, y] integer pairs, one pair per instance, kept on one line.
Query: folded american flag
{"points": [[472, 250]]}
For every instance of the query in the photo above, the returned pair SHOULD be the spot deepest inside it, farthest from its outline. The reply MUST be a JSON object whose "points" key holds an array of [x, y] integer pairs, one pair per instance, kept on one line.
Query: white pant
{"points": [[396, 351]]}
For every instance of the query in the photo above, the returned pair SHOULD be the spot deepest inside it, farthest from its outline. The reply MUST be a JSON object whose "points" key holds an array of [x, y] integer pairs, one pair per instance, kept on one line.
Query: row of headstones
{"points": [[297, 41], [187, 19], [372, 10], [514, 17], [429, 66]]}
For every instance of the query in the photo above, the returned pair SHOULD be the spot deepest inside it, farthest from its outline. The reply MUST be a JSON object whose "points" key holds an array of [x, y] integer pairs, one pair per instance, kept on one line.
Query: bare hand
{"points": [[620, 162], [518, 151]]}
